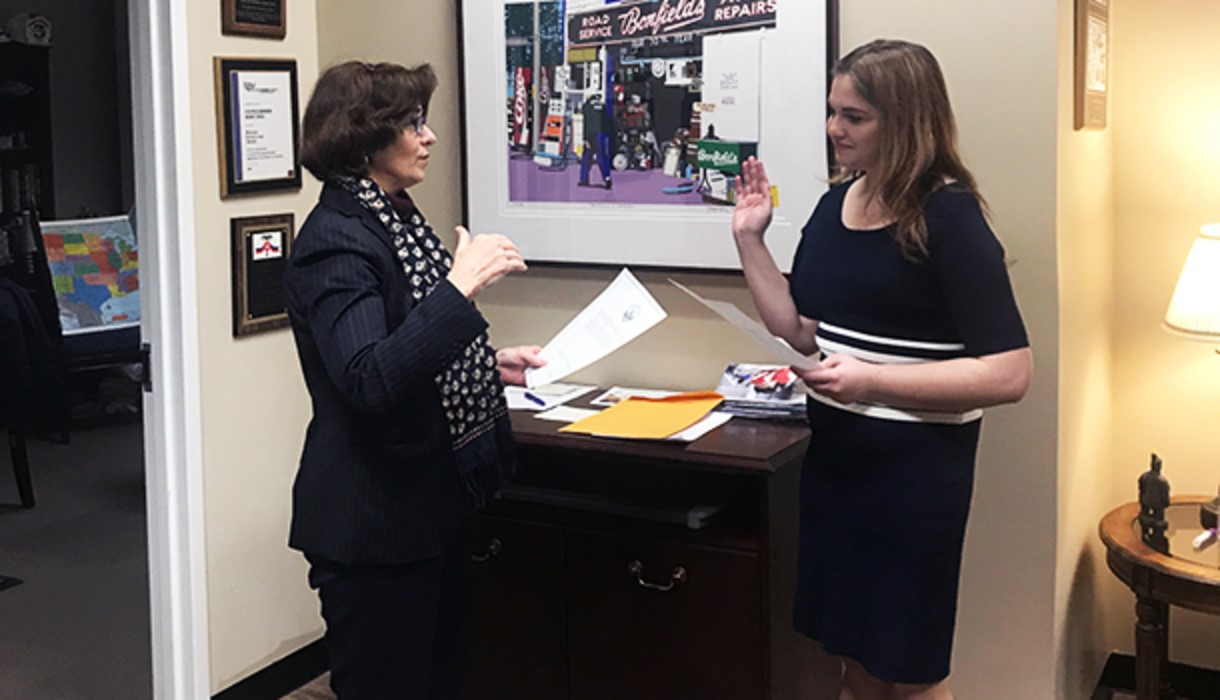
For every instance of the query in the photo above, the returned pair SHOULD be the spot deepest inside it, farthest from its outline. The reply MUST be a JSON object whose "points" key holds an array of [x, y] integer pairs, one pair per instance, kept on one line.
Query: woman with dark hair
{"points": [[410, 429], [901, 286]]}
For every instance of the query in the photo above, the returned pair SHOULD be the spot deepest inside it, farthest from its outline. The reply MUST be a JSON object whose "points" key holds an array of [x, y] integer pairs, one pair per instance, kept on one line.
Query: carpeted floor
{"points": [[74, 620], [77, 626]]}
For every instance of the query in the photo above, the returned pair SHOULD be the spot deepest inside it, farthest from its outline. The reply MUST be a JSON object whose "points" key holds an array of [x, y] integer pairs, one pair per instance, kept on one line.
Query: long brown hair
{"points": [[918, 149]]}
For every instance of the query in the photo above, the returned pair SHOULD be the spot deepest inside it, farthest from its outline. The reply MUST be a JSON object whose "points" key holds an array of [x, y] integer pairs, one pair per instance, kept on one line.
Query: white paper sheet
{"points": [[707, 424], [544, 397], [619, 314], [563, 392], [614, 394], [566, 414], [776, 347], [262, 136]]}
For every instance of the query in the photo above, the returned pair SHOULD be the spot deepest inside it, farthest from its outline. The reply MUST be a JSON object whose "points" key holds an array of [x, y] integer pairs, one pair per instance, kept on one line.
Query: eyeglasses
{"points": [[417, 122]]}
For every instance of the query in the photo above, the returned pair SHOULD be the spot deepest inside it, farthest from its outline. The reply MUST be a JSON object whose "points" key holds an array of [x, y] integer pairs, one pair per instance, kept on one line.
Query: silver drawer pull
{"points": [[494, 547], [636, 569]]}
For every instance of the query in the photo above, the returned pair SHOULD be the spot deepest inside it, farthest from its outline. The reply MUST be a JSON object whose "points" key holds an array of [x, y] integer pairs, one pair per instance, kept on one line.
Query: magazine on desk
{"points": [[762, 391]]}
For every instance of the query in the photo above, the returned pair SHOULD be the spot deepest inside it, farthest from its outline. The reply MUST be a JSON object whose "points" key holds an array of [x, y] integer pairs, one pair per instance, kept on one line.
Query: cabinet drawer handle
{"points": [[635, 568], [494, 547]]}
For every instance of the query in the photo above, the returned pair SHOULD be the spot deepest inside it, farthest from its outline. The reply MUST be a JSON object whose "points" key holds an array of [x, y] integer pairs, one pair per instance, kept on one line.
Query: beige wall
{"points": [[1132, 198], [1085, 223], [1165, 112], [254, 406]]}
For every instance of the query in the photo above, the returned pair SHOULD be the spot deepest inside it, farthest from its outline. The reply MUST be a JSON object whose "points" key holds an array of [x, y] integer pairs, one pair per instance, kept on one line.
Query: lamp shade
{"points": [[1194, 309]]}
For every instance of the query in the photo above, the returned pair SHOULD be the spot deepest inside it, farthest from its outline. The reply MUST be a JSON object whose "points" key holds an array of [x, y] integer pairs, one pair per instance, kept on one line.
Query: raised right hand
{"points": [[752, 215], [480, 261]]}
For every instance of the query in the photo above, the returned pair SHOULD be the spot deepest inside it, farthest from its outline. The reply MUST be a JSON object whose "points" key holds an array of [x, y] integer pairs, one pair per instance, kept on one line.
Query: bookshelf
{"points": [[25, 132]]}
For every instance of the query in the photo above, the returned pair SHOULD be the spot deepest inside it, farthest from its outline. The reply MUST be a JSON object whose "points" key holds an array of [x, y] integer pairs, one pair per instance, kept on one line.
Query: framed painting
{"points": [[1092, 62], [256, 104], [259, 252], [612, 133]]}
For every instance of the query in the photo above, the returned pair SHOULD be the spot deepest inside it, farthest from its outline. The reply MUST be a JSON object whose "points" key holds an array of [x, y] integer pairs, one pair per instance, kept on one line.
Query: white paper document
{"points": [[614, 394], [619, 314], [565, 414], [544, 397], [776, 347], [707, 424], [263, 136]]}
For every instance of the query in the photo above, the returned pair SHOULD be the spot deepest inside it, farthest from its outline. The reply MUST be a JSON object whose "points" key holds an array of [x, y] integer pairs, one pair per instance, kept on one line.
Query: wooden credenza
{"points": [[615, 569]]}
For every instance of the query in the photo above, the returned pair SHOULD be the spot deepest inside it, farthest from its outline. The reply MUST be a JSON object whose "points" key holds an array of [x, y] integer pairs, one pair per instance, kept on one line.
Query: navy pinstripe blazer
{"points": [[377, 483]]}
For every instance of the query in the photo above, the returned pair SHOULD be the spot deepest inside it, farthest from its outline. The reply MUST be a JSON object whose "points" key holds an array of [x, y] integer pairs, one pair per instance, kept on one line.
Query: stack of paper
{"points": [[762, 391]]}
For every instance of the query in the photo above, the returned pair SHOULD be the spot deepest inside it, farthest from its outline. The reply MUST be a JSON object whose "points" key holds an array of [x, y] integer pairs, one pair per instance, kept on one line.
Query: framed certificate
{"points": [[256, 102], [260, 248]]}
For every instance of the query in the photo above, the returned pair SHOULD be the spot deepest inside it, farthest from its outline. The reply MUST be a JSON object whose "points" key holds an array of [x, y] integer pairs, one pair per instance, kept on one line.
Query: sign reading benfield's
{"points": [[725, 156], [646, 18]]}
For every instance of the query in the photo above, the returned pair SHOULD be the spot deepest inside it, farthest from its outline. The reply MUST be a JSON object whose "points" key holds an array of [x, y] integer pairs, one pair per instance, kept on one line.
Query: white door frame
{"points": [[172, 445]]}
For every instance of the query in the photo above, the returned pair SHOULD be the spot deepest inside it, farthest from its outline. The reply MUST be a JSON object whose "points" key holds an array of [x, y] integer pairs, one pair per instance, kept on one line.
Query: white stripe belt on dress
{"points": [[882, 350]]}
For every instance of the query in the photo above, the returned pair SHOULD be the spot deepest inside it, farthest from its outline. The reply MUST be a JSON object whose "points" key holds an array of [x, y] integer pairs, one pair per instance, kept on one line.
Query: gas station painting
{"points": [[590, 122]]}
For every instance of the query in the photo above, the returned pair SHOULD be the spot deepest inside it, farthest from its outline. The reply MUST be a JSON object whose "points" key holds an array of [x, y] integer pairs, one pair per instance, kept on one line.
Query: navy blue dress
{"points": [[885, 493]]}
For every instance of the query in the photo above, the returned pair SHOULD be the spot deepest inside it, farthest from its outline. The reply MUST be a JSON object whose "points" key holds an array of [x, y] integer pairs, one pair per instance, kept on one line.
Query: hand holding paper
{"points": [[622, 312], [514, 361]]}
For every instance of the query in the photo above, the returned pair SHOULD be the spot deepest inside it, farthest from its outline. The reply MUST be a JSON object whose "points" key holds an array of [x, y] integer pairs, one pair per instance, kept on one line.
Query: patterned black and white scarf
{"points": [[471, 393]]}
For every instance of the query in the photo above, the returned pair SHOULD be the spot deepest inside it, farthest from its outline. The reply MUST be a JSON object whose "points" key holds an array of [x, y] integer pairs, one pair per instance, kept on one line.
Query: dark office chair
{"points": [[31, 360]]}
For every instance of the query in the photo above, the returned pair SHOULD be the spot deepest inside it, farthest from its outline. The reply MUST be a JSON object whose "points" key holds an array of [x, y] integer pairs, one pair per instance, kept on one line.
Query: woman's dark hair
{"points": [[357, 109]]}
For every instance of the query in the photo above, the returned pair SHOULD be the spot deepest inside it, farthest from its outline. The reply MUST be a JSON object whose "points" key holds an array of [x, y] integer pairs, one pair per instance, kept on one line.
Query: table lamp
{"points": [[1194, 311]]}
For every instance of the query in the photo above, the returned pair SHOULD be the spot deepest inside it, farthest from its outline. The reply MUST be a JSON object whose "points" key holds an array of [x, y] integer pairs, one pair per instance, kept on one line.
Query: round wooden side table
{"points": [[1183, 577]]}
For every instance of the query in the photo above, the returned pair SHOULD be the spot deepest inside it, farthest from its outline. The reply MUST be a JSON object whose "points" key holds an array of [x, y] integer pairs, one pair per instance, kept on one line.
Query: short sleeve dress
{"points": [[885, 492]]}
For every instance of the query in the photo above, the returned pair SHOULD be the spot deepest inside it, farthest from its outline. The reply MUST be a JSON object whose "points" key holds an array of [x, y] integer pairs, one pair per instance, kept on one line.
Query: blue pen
{"points": [[533, 398]]}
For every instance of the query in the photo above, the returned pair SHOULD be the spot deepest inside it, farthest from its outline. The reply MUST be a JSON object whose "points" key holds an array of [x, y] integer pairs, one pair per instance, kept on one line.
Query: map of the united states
{"points": [[95, 271]]}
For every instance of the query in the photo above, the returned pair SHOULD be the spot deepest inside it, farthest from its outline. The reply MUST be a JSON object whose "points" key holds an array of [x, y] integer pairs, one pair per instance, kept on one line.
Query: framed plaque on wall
{"points": [[264, 18], [256, 101], [260, 248], [1092, 63]]}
